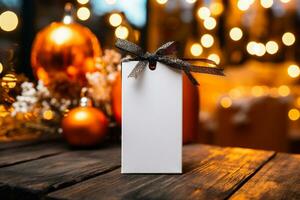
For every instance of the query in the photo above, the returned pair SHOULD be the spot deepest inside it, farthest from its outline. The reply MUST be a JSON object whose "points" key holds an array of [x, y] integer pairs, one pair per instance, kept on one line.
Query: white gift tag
{"points": [[151, 120]]}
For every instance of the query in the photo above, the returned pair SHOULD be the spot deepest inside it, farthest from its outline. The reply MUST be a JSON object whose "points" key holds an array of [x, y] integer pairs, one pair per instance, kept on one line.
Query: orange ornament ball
{"points": [[117, 99], [64, 48], [84, 126]]}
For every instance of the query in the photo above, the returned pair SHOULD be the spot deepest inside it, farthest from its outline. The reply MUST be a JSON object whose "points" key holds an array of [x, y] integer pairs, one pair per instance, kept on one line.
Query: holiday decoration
{"points": [[67, 48], [85, 125]]}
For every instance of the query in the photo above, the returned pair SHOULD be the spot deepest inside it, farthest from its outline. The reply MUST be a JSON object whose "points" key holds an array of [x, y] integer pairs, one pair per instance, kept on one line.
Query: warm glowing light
{"points": [[298, 101], [48, 115], [67, 19], [162, 1], [251, 47], [243, 4], [214, 57], [9, 80], [203, 12], [191, 1], [266, 3], [83, 1], [226, 102], [122, 32], [288, 38], [257, 91], [216, 8], [293, 71], [207, 40], [83, 13], [272, 47], [115, 19], [1, 68], [255, 48], [236, 33], [285, 1], [294, 114], [209, 23], [283, 90], [196, 49], [8, 21], [61, 35], [81, 115]]}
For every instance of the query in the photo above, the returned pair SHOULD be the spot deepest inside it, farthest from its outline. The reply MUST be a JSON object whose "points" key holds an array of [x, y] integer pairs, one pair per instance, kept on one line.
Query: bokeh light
{"points": [[115, 19], [266, 3], [203, 12], [214, 57], [284, 90], [293, 71], [8, 21], [48, 114], [9, 80], [288, 38], [1, 68], [191, 1], [83, 1], [236, 33], [226, 102], [161, 1], [207, 40], [243, 5], [122, 32], [294, 114], [210, 23], [83, 13], [216, 8], [196, 49], [257, 91], [272, 47], [285, 1]]}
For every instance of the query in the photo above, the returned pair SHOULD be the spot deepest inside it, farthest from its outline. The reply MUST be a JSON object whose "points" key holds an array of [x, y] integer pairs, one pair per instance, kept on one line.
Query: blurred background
{"points": [[256, 105]]}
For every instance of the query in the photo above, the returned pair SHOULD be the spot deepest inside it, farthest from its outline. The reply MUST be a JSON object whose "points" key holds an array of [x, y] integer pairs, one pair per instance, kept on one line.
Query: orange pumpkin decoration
{"points": [[64, 48], [190, 107]]}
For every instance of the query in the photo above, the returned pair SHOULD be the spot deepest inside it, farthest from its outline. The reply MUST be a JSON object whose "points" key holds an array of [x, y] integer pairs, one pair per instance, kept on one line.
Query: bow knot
{"points": [[163, 55]]}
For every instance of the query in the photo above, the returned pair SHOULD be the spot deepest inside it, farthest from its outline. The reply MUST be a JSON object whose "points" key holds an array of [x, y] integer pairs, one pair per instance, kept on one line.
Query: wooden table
{"points": [[50, 170]]}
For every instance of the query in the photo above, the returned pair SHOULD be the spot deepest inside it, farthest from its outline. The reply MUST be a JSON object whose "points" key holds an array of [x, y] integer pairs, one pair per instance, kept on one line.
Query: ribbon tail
{"points": [[191, 77], [207, 70], [167, 49], [129, 47], [140, 66]]}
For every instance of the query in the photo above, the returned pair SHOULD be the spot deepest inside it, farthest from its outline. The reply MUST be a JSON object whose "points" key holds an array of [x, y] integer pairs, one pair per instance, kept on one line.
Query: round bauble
{"points": [[70, 49], [84, 126]]}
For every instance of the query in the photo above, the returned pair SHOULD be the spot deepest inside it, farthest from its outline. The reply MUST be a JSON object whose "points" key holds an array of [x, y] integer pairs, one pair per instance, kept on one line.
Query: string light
{"points": [[293, 71], [83, 1], [214, 57], [196, 49], [207, 40], [251, 48], [83, 13], [272, 47], [236, 33], [294, 114], [1, 68], [266, 3], [203, 12], [216, 8], [67, 19], [285, 1], [122, 32], [283, 90], [210, 23], [161, 1], [226, 102], [288, 38], [115, 19], [255, 48], [8, 21]]}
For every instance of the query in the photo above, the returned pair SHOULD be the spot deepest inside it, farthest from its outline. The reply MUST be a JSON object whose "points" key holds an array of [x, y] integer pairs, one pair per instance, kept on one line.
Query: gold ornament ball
{"points": [[64, 48], [84, 126]]}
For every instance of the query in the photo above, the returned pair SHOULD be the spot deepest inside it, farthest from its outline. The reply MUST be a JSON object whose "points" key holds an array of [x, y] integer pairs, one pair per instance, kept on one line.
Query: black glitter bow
{"points": [[163, 55]]}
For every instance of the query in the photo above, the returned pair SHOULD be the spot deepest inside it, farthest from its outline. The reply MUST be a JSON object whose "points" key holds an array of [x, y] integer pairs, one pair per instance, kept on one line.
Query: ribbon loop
{"points": [[163, 55]]}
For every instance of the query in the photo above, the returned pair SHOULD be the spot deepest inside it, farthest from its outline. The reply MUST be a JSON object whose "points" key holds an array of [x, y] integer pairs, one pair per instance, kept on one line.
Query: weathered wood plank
{"points": [[27, 153], [209, 173], [30, 180], [278, 179]]}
